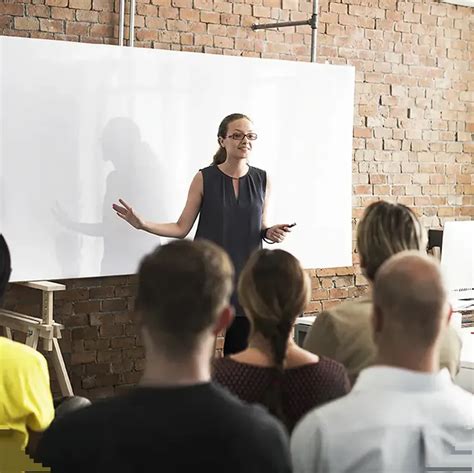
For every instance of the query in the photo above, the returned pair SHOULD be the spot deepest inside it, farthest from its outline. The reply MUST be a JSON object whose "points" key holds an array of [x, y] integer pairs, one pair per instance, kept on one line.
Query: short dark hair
{"points": [[5, 266], [182, 286]]}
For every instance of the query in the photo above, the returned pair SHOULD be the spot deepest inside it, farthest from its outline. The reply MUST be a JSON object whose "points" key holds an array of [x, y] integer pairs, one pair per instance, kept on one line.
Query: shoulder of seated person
{"points": [[302, 358], [15, 351], [452, 336], [263, 420], [360, 305]]}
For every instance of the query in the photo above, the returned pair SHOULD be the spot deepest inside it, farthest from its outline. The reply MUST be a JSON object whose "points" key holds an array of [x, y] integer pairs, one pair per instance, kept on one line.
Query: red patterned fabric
{"points": [[303, 388]]}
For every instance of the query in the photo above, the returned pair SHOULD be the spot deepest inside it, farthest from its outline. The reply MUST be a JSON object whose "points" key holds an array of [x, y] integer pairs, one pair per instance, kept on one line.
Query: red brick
{"points": [[80, 4], [40, 11], [203, 40], [89, 16], [223, 42], [14, 9], [101, 31], [104, 5], [62, 13], [122, 367], [186, 39], [6, 22], [133, 354], [189, 14], [363, 132], [153, 23], [229, 19], [57, 3], [109, 356], [204, 4], [77, 28], [339, 293], [242, 9], [83, 357], [23, 23], [222, 7], [210, 17], [168, 13]]}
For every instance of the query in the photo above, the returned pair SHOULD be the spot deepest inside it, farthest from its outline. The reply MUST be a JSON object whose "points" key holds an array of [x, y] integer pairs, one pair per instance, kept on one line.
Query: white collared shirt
{"points": [[394, 420]]}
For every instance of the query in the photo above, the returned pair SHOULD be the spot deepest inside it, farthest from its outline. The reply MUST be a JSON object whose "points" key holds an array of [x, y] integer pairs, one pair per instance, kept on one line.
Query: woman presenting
{"points": [[231, 198]]}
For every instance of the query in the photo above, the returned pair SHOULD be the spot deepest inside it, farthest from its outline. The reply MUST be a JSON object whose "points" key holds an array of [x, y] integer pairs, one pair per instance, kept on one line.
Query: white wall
{"points": [[82, 125]]}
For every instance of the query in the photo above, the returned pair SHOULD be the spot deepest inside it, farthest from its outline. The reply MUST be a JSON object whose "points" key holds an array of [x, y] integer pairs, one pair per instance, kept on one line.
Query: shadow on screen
{"points": [[135, 178]]}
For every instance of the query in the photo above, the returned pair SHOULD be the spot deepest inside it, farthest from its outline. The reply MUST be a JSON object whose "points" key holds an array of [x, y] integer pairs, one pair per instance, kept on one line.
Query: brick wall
{"points": [[413, 128]]}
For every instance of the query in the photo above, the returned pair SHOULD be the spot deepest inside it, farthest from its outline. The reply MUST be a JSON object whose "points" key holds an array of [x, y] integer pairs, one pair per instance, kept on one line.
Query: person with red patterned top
{"points": [[273, 370]]}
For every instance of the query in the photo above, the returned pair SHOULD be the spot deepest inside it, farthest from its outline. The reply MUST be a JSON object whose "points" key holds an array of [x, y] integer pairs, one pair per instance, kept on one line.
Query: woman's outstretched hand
{"points": [[128, 214], [277, 233]]}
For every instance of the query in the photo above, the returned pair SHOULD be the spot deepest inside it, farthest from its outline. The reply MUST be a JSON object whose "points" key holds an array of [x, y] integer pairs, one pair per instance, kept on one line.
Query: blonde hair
{"points": [[384, 230], [274, 290]]}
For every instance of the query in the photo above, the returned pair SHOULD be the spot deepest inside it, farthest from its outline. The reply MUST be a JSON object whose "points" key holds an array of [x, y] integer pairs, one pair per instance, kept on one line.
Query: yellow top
{"points": [[25, 395]]}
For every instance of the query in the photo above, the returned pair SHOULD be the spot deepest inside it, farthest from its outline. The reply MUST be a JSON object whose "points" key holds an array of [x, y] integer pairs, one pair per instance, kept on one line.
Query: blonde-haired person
{"points": [[343, 333], [273, 370]]}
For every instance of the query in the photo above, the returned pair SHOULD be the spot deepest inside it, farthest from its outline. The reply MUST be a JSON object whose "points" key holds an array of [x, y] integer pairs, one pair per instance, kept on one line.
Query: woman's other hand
{"points": [[277, 233]]}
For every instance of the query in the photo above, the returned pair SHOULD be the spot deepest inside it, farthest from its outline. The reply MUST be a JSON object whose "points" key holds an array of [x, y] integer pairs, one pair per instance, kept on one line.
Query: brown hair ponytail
{"points": [[221, 154], [273, 398], [274, 290]]}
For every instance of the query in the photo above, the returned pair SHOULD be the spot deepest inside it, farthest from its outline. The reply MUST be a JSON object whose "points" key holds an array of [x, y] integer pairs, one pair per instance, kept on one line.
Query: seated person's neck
{"points": [[165, 371], [260, 353], [423, 361]]}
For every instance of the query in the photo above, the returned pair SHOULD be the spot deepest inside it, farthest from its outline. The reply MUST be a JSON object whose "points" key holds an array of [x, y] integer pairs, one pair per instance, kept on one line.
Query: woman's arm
{"points": [[276, 233], [177, 229]]}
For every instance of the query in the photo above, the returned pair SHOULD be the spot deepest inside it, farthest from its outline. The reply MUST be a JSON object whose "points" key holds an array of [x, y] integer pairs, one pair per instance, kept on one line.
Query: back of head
{"points": [[410, 294], [274, 290], [5, 266], [384, 230], [182, 286]]}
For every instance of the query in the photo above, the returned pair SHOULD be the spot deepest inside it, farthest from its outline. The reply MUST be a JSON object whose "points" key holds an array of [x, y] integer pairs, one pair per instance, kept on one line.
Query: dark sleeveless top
{"points": [[233, 222]]}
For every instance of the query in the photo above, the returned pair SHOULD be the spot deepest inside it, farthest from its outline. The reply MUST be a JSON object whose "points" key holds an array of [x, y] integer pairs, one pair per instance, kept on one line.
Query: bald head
{"points": [[410, 296]]}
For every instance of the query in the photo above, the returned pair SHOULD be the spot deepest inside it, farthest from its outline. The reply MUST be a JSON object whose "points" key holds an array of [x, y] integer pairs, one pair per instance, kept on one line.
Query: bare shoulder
{"points": [[197, 184]]}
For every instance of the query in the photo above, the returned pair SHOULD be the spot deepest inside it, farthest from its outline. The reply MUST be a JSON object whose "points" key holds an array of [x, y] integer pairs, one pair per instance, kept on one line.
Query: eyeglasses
{"points": [[239, 136]]}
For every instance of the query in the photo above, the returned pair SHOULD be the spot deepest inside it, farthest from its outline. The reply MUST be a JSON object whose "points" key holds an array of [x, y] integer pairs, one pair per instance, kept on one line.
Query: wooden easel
{"points": [[44, 327]]}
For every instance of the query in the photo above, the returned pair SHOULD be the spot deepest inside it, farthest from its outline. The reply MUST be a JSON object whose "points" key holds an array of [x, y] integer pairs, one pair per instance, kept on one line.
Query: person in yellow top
{"points": [[26, 402]]}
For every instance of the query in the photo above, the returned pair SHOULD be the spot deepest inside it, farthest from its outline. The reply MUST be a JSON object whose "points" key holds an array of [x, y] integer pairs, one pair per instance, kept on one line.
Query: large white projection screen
{"points": [[82, 125]]}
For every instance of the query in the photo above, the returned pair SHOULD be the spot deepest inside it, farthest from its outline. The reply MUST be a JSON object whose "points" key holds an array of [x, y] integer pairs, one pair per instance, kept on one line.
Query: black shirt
{"points": [[233, 222], [170, 430]]}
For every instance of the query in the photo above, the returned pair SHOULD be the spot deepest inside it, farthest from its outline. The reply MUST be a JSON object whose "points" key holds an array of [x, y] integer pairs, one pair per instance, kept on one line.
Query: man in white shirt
{"points": [[403, 415]]}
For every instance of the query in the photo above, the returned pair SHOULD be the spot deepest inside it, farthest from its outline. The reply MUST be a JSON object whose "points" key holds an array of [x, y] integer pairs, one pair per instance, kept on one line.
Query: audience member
{"points": [[26, 403], [403, 414], [343, 333], [273, 370], [176, 420]]}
